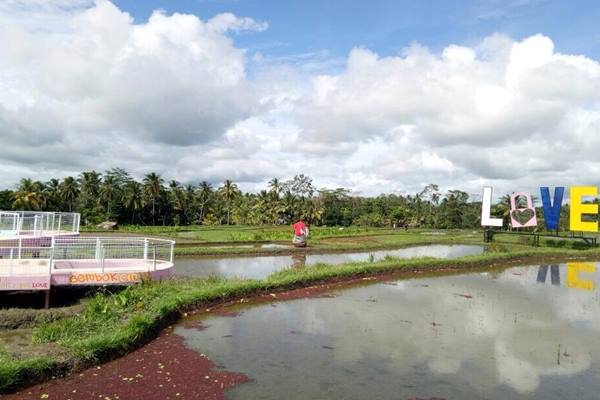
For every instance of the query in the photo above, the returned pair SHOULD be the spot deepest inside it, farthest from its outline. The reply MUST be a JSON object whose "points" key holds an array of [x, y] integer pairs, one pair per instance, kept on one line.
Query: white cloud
{"points": [[224, 22], [85, 86], [502, 111]]}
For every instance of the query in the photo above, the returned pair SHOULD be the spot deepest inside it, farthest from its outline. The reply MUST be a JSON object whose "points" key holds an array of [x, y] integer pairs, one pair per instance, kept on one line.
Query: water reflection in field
{"points": [[522, 333], [260, 267]]}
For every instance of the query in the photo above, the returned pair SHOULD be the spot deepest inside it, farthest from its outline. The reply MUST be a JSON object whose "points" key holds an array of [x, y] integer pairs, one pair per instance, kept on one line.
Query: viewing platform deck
{"points": [[40, 263], [33, 224]]}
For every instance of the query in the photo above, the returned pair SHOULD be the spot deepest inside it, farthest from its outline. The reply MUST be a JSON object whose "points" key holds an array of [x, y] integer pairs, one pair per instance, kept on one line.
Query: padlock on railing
{"points": [[522, 217]]}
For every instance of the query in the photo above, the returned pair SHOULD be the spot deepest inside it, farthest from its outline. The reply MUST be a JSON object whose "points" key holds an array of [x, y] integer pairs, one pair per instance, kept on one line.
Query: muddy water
{"points": [[524, 333], [261, 267]]}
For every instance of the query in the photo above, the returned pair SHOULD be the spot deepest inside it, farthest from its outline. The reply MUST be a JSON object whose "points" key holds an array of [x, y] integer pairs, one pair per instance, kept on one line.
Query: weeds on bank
{"points": [[14, 373], [115, 322]]}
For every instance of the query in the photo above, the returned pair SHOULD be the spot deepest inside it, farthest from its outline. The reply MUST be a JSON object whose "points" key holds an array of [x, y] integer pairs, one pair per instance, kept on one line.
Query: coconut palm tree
{"points": [[108, 191], [52, 194], [189, 193], [289, 203], [178, 200], [133, 198], [502, 208], [313, 213], [228, 192], [153, 186], [204, 195], [89, 187], [275, 187], [6, 199], [262, 205], [69, 191], [28, 195]]}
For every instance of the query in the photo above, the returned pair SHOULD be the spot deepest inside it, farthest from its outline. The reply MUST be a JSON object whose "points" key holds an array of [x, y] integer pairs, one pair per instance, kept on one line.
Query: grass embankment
{"points": [[338, 243], [18, 372], [248, 240], [223, 234], [113, 324], [197, 240]]}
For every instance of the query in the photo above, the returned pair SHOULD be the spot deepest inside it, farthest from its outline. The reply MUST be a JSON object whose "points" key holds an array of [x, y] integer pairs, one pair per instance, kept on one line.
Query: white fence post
{"points": [[11, 261], [145, 250], [98, 254], [19, 225], [51, 256]]}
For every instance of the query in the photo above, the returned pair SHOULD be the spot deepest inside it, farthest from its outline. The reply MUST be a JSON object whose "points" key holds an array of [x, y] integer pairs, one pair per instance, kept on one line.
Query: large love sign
{"points": [[522, 217]]}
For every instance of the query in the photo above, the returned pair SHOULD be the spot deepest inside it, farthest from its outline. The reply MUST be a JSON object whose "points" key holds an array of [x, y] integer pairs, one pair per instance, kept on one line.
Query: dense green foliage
{"points": [[116, 196]]}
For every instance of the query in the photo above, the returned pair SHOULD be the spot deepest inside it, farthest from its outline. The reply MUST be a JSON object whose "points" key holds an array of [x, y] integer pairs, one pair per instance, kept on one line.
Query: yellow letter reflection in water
{"points": [[573, 270]]}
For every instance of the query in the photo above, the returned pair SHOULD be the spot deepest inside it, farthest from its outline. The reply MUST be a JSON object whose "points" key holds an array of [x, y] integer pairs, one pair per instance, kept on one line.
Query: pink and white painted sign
{"points": [[525, 216], [107, 278], [24, 282]]}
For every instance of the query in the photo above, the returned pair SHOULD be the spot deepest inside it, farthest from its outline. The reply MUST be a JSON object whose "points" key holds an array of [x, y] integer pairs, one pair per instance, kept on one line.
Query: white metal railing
{"points": [[38, 223], [87, 252], [9, 223]]}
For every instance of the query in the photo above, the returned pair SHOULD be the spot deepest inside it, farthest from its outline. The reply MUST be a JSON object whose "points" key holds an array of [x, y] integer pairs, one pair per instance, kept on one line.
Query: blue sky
{"points": [[387, 26]]}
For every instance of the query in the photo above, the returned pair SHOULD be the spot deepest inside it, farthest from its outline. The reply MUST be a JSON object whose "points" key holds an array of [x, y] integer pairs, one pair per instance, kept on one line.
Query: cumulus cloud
{"points": [[172, 81], [85, 86], [501, 111]]}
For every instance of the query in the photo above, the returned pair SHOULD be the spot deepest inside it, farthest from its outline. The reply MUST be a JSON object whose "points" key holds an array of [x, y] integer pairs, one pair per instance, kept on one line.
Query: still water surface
{"points": [[261, 267], [521, 333]]}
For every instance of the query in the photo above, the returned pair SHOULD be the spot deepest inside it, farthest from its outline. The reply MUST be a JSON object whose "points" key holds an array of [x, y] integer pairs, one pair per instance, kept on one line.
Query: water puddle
{"points": [[261, 267], [522, 333]]}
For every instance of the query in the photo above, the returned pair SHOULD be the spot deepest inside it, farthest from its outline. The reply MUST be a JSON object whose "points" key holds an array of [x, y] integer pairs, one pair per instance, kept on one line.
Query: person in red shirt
{"points": [[300, 233]]}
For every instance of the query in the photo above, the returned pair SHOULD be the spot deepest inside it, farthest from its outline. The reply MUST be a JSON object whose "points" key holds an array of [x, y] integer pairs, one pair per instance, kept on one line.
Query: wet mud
{"points": [[162, 370]]}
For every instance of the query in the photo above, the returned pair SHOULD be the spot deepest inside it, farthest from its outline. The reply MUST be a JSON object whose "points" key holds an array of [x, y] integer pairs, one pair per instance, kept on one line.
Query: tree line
{"points": [[116, 196]]}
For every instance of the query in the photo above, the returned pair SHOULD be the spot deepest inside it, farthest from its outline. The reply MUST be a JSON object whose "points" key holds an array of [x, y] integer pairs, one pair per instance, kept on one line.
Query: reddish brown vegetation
{"points": [[164, 369]]}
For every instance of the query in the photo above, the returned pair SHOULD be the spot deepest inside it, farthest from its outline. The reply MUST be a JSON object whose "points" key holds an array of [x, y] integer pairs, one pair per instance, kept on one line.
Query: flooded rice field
{"points": [[519, 333], [522, 333], [261, 267]]}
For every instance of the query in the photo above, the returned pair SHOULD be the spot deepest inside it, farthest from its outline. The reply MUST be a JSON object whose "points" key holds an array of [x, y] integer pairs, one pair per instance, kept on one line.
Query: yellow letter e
{"points": [[578, 209]]}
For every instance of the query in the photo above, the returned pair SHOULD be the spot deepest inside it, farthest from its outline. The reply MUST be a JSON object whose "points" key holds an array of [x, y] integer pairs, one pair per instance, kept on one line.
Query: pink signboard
{"points": [[525, 216], [24, 282], [108, 278]]}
